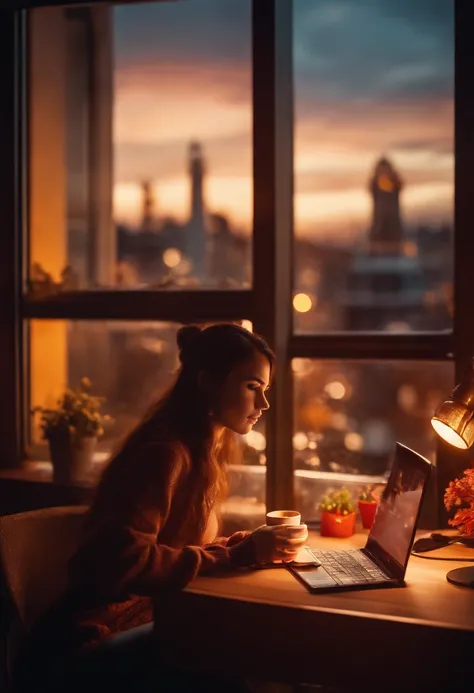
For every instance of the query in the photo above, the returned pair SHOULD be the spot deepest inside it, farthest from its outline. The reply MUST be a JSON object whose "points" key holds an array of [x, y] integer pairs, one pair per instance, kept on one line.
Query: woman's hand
{"points": [[278, 542], [237, 537]]}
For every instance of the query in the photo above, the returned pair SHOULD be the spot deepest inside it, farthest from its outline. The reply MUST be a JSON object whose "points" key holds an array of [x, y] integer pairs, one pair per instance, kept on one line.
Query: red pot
{"points": [[367, 510], [333, 525]]}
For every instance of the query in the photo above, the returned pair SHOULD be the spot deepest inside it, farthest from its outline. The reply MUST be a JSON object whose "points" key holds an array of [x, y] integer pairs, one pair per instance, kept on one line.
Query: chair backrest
{"points": [[34, 550]]}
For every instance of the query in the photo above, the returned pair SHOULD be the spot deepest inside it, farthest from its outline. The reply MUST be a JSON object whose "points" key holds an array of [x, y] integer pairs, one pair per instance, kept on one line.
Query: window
{"points": [[374, 166], [156, 138], [348, 415], [160, 154], [373, 234]]}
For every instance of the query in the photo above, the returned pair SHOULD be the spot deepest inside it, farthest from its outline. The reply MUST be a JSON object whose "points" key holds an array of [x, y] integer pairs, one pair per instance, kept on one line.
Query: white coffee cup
{"points": [[283, 517]]}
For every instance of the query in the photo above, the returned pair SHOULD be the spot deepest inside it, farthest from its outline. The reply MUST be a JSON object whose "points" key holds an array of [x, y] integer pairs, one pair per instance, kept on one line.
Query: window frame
{"points": [[268, 303]]}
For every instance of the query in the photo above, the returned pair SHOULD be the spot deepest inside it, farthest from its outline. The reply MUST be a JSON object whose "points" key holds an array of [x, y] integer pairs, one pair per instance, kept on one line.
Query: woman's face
{"points": [[242, 400]]}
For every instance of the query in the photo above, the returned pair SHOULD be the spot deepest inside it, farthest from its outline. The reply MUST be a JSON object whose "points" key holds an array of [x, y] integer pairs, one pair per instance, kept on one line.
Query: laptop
{"points": [[383, 560]]}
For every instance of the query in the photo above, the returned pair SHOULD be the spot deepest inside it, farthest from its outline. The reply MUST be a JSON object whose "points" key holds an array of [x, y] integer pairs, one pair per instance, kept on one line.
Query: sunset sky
{"points": [[372, 77]]}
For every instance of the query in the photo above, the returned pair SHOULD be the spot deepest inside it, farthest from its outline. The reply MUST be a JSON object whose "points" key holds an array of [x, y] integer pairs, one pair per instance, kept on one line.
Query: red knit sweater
{"points": [[138, 542]]}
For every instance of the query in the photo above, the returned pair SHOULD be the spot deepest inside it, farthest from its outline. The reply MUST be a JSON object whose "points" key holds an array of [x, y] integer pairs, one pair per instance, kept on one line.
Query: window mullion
{"points": [[273, 225], [451, 462], [184, 306], [463, 198], [436, 346], [10, 171], [101, 84]]}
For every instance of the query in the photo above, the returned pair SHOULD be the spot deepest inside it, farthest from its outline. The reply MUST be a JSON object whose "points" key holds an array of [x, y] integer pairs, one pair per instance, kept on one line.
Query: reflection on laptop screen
{"points": [[397, 513]]}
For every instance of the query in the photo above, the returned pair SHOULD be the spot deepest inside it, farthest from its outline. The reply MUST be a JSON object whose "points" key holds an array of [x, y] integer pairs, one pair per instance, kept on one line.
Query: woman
{"points": [[153, 513]]}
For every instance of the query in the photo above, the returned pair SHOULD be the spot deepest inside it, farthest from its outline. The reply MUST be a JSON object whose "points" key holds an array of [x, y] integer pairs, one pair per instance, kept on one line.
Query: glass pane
{"points": [[348, 416], [131, 364], [374, 165], [140, 147]]}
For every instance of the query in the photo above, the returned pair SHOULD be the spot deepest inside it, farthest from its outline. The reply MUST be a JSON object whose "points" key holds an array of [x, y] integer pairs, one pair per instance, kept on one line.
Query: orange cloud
{"points": [[177, 102]]}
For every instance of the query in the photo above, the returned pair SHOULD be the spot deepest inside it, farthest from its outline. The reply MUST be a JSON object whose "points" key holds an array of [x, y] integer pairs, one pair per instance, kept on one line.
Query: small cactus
{"points": [[367, 494], [338, 502]]}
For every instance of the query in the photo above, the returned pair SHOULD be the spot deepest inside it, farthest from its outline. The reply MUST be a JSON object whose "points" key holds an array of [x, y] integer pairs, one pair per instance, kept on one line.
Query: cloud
{"points": [[396, 49], [383, 127], [170, 102], [442, 145], [208, 30]]}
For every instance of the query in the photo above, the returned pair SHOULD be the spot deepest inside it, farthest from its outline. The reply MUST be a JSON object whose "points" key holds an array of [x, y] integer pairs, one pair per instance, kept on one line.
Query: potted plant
{"points": [[72, 430], [337, 514], [368, 503]]}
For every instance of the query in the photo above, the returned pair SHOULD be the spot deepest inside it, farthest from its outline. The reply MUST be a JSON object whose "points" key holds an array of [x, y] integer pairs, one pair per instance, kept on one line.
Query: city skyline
{"points": [[183, 73]]}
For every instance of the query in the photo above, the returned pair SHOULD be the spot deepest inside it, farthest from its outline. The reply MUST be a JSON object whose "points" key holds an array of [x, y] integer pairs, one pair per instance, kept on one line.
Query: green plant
{"points": [[76, 416], [338, 502], [367, 494]]}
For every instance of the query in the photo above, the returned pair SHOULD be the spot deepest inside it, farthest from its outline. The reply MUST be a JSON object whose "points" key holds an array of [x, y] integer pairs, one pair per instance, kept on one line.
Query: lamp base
{"points": [[463, 577]]}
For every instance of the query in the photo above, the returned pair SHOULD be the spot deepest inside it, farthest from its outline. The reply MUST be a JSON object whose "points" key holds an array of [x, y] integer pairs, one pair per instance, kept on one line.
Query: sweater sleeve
{"points": [[234, 538], [120, 553]]}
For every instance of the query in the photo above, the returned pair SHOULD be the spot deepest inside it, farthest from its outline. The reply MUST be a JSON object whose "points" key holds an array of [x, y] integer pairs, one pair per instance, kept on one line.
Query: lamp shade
{"points": [[454, 423], [453, 420]]}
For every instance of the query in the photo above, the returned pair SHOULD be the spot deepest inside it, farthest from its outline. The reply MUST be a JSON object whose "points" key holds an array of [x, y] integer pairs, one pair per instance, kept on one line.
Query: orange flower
{"points": [[461, 492], [464, 521]]}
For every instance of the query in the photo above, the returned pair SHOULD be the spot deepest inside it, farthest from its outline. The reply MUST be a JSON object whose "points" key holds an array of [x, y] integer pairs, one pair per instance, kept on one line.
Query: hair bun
{"points": [[188, 339]]}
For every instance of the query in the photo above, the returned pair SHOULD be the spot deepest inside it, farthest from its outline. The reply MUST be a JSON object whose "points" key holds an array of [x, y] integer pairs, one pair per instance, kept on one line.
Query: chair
{"points": [[34, 549]]}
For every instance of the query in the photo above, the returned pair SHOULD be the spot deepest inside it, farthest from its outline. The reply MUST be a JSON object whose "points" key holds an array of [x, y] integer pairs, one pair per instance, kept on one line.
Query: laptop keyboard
{"points": [[349, 567]]}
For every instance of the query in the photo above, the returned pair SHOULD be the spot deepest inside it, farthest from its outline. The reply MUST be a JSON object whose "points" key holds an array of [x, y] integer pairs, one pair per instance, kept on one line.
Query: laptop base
{"points": [[316, 585]]}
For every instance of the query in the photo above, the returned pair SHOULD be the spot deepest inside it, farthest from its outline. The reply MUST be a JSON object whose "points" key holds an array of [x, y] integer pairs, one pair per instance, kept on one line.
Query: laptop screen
{"points": [[393, 530]]}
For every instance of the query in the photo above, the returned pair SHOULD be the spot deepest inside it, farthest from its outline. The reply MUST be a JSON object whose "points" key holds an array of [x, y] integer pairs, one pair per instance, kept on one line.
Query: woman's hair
{"points": [[183, 414]]}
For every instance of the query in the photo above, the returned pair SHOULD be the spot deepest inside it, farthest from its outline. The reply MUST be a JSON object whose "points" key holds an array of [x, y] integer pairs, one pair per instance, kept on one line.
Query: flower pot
{"points": [[72, 460], [367, 510], [333, 525]]}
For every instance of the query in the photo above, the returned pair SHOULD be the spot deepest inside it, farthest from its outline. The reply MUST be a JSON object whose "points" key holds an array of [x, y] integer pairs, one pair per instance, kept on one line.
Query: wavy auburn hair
{"points": [[182, 414]]}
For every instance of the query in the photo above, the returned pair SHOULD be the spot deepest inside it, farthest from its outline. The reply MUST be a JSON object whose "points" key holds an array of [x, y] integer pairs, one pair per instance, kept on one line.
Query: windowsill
{"points": [[244, 508], [41, 471], [340, 477]]}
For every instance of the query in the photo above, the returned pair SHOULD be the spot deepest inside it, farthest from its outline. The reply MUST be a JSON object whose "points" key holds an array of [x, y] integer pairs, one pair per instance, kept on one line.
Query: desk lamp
{"points": [[453, 421]]}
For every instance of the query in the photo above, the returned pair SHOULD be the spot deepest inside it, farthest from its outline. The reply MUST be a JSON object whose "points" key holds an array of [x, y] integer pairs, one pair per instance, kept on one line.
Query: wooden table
{"points": [[264, 624]]}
